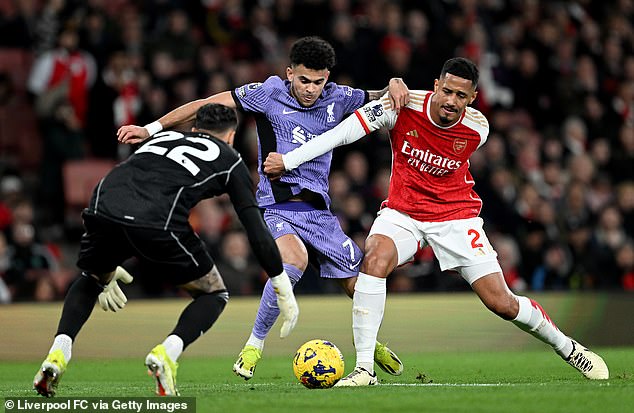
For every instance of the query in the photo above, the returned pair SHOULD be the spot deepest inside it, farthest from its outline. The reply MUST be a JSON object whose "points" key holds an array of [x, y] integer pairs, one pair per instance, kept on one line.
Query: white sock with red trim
{"points": [[533, 319]]}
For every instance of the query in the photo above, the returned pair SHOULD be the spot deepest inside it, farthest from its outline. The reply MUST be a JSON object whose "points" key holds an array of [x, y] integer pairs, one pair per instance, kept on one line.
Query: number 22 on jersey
{"points": [[181, 153]]}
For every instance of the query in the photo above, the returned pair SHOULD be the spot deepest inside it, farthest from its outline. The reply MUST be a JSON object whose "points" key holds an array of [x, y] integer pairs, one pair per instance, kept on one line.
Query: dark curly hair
{"points": [[461, 67], [215, 118], [313, 52]]}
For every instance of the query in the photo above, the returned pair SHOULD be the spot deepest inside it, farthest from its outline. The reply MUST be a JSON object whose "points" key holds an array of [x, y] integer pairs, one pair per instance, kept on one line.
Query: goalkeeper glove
{"points": [[112, 298], [286, 303]]}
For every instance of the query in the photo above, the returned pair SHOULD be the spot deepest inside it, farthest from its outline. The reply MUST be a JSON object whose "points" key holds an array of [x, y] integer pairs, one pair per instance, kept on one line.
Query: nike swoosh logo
{"points": [[352, 267], [286, 112]]}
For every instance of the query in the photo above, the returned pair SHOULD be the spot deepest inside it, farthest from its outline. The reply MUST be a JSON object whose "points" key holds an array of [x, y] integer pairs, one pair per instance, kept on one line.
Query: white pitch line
{"points": [[420, 384], [417, 384], [456, 384]]}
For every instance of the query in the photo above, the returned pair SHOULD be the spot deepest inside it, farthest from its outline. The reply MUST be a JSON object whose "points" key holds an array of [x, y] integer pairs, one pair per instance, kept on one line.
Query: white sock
{"points": [[533, 319], [64, 343], [173, 346], [255, 342], [368, 305]]}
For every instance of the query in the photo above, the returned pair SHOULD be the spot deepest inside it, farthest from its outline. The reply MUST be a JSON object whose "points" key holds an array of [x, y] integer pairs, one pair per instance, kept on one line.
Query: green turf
{"points": [[531, 381], [458, 356]]}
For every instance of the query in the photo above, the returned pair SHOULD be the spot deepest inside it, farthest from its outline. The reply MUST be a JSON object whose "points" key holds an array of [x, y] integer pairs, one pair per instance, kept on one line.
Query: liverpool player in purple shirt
{"points": [[296, 207]]}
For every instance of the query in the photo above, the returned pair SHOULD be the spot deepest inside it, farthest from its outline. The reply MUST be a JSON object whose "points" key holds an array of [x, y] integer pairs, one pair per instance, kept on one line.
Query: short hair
{"points": [[461, 67], [216, 118], [313, 52]]}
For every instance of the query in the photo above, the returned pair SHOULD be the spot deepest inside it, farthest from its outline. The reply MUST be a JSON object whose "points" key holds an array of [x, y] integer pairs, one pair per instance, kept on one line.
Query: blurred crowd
{"points": [[557, 85]]}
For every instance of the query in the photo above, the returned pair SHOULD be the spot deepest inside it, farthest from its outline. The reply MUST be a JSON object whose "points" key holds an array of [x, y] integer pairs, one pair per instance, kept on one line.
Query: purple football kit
{"points": [[283, 125]]}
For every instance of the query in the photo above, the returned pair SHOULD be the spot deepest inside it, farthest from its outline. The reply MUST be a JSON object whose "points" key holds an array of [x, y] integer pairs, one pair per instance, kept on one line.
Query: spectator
{"points": [[17, 24], [584, 269], [60, 80], [608, 237], [357, 168], [621, 166], [625, 202], [63, 74], [29, 275], [175, 38], [509, 258], [238, 267], [554, 272]]}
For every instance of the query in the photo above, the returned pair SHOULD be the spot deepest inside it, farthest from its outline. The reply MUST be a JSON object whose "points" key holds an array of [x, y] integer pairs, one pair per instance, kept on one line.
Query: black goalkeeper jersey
{"points": [[166, 177]]}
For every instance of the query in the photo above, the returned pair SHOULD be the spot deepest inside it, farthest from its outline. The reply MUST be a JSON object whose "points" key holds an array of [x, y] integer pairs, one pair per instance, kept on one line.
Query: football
{"points": [[318, 364]]}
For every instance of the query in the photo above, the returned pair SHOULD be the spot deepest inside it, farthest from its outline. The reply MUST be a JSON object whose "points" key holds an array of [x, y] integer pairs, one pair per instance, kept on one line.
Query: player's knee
{"points": [[378, 263], [219, 298], [503, 306], [295, 258], [293, 251], [209, 283], [381, 257]]}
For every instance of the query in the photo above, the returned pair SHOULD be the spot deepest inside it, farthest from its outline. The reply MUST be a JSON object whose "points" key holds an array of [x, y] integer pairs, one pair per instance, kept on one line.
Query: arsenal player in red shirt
{"points": [[431, 201]]}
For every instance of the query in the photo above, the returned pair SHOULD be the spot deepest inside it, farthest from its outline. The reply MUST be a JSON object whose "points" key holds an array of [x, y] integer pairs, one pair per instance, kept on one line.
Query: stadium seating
{"points": [[80, 177]]}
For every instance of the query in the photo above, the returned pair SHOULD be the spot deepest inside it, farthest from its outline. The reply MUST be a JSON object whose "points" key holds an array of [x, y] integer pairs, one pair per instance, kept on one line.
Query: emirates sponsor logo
{"points": [[459, 145], [426, 161]]}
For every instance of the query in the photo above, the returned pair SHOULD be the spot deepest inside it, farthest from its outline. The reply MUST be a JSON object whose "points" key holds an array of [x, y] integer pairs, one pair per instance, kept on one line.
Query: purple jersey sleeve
{"points": [[254, 97]]}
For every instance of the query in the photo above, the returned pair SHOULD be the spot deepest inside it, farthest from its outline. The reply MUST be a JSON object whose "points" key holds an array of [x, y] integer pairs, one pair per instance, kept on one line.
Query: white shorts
{"points": [[460, 245]]}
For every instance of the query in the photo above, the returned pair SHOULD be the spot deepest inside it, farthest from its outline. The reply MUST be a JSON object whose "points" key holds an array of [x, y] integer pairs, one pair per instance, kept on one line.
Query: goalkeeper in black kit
{"points": [[140, 209]]}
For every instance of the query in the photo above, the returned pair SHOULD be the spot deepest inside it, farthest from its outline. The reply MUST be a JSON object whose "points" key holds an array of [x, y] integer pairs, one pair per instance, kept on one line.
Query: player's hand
{"points": [[274, 166], [132, 134], [289, 311], [112, 298], [398, 92]]}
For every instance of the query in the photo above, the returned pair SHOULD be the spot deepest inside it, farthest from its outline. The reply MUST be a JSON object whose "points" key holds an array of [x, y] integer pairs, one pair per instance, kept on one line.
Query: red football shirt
{"points": [[430, 179]]}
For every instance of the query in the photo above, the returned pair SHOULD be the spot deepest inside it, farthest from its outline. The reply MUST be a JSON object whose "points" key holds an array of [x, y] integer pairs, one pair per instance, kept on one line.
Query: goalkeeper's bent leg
{"points": [[78, 305], [200, 315]]}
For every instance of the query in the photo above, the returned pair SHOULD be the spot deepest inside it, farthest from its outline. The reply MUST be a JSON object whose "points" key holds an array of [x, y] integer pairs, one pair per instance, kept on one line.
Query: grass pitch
{"points": [[458, 358], [532, 381]]}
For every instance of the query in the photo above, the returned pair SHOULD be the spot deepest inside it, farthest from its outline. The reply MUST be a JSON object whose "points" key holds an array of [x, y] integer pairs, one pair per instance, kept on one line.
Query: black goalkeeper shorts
{"points": [[181, 256]]}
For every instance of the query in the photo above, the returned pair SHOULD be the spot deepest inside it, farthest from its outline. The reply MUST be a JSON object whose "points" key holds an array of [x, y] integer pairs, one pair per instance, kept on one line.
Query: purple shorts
{"points": [[338, 256]]}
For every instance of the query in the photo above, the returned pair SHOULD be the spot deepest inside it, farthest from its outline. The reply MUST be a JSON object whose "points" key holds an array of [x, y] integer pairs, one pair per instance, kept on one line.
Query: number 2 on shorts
{"points": [[474, 241]]}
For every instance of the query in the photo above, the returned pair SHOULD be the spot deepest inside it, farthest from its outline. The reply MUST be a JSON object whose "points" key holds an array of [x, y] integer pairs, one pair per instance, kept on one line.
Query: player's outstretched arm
{"points": [[132, 134], [372, 116], [348, 131]]}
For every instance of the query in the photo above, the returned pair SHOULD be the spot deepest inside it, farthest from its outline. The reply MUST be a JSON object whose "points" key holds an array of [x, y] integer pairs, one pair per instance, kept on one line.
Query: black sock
{"points": [[199, 316], [78, 305]]}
